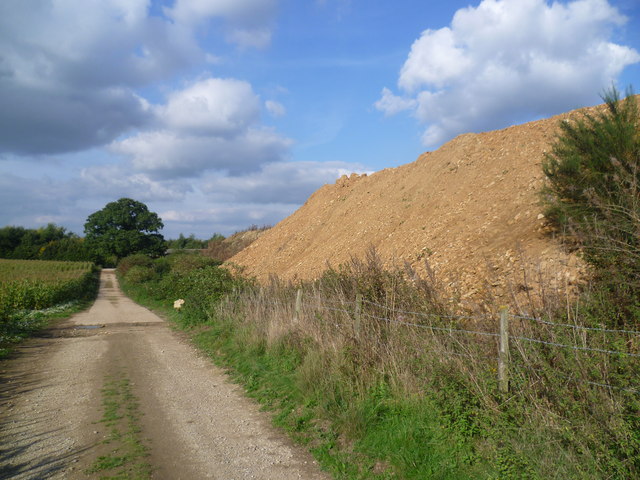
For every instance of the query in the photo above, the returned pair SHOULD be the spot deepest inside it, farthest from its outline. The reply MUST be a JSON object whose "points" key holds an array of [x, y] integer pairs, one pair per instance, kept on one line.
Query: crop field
{"points": [[48, 271], [37, 284], [34, 285]]}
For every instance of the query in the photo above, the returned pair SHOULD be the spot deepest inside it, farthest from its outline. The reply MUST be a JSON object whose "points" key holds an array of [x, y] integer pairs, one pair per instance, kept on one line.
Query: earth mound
{"points": [[471, 210], [224, 248]]}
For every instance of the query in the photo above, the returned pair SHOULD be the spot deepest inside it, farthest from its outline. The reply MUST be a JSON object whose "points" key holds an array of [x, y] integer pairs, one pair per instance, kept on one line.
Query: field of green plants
{"points": [[29, 287]]}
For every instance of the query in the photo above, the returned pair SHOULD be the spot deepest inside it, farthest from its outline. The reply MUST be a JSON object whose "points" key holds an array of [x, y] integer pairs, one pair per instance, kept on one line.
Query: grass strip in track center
{"points": [[127, 455]]}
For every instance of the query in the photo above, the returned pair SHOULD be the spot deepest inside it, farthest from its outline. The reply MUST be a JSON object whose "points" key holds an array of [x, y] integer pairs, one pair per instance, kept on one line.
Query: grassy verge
{"points": [[127, 456], [392, 390], [372, 434]]}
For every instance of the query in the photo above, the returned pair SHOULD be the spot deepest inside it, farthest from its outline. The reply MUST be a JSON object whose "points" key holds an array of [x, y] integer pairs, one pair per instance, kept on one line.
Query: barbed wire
{"points": [[577, 380], [337, 302], [423, 314], [337, 310], [573, 347], [431, 327], [322, 304], [577, 327]]}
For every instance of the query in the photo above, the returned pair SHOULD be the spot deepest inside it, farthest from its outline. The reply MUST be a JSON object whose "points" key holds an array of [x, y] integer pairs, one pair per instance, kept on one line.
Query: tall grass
{"points": [[413, 387], [403, 386]]}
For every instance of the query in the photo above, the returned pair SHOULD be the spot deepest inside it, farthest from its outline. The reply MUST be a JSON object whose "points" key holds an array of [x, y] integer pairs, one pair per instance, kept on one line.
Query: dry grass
{"points": [[571, 405]]}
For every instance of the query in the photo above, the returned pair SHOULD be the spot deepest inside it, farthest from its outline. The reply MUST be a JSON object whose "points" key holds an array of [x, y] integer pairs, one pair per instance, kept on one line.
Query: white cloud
{"points": [[282, 182], [248, 21], [116, 181], [505, 61], [213, 106], [276, 109], [212, 124], [166, 154], [70, 70], [222, 218], [391, 104]]}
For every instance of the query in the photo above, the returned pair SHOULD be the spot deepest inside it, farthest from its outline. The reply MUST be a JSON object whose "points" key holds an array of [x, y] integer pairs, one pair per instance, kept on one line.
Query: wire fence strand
{"points": [[577, 327], [323, 304], [577, 380], [425, 315], [431, 327], [574, 347]]}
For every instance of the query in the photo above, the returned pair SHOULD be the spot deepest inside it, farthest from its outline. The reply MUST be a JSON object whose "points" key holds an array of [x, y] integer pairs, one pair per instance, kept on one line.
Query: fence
{"points": [[508, 337]]}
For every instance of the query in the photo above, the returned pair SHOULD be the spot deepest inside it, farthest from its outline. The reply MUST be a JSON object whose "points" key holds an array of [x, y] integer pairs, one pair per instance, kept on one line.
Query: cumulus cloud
{"points": [[224, 218], [69, 82], [116, 181], [33, 121], [391, 104], [284, 182], [70, 71], [507, 60], [248, 21], [212, 124], [165, 154], [214, 106]]}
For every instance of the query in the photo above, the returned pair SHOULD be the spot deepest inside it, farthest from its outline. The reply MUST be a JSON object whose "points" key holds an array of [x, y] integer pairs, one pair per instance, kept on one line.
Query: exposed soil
{"points": [[196, 423], [471, 209]]}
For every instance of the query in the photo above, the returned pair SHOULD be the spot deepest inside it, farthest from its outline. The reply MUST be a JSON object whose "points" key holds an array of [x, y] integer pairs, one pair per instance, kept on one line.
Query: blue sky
{"points": [[219, 114]]}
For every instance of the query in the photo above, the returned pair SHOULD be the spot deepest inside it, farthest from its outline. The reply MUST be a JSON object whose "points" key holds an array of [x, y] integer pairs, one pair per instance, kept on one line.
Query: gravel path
{"points": [[197, 424]]}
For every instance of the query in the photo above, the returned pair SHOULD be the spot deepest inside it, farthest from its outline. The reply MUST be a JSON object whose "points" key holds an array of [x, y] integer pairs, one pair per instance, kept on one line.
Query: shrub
{"points": [[201, 288], [139, 259], [593, 195], [139, 274], [183, 263]]}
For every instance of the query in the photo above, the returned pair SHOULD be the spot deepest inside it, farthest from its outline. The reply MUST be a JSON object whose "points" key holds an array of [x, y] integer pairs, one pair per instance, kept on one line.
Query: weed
{"points": [[126, 460]]}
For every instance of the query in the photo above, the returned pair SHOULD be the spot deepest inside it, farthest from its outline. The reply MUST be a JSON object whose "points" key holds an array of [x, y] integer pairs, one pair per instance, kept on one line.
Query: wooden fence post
{"points": [[503, 354], [358, 315], [296, 317]]}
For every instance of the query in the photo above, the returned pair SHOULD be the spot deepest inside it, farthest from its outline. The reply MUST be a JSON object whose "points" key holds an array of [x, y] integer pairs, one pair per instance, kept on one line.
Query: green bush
{"points": [[196, 279], [593, 196], [182, 263], [139, 259], [139, 274], [201, 289]]}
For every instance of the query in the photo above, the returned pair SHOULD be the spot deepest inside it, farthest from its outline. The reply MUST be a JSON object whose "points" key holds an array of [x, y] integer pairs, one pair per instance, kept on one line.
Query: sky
{"points": [[221, 114]]}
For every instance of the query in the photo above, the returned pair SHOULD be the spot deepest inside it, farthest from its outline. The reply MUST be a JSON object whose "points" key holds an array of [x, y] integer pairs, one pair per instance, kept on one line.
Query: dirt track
{"points": [[196, 423]]}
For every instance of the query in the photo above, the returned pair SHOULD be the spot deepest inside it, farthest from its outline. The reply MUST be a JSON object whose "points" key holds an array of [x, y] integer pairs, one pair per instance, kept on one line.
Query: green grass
{"points": [[392, 403], [121, 415], [388, 436]]}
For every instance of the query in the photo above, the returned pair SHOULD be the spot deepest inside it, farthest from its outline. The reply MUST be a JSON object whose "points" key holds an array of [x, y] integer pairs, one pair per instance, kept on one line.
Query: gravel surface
{"points": [[197, 424]]}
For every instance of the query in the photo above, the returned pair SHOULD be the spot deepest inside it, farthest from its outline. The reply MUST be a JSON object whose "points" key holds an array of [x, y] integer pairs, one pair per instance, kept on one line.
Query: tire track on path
{"points": [[196, 423]]}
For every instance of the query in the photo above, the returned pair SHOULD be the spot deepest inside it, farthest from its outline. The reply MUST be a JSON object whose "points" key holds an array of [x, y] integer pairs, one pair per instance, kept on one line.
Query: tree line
{"points": [[121, 228]]}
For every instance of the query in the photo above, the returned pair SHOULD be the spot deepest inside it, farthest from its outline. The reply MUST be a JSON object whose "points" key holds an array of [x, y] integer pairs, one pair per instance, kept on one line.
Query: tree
{"points": [[123, 228], [22, 243], [593, 193]]}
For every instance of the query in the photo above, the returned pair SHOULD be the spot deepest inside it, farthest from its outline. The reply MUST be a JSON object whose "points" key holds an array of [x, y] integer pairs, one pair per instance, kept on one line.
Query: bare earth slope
{"points": [[470, 208]]}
